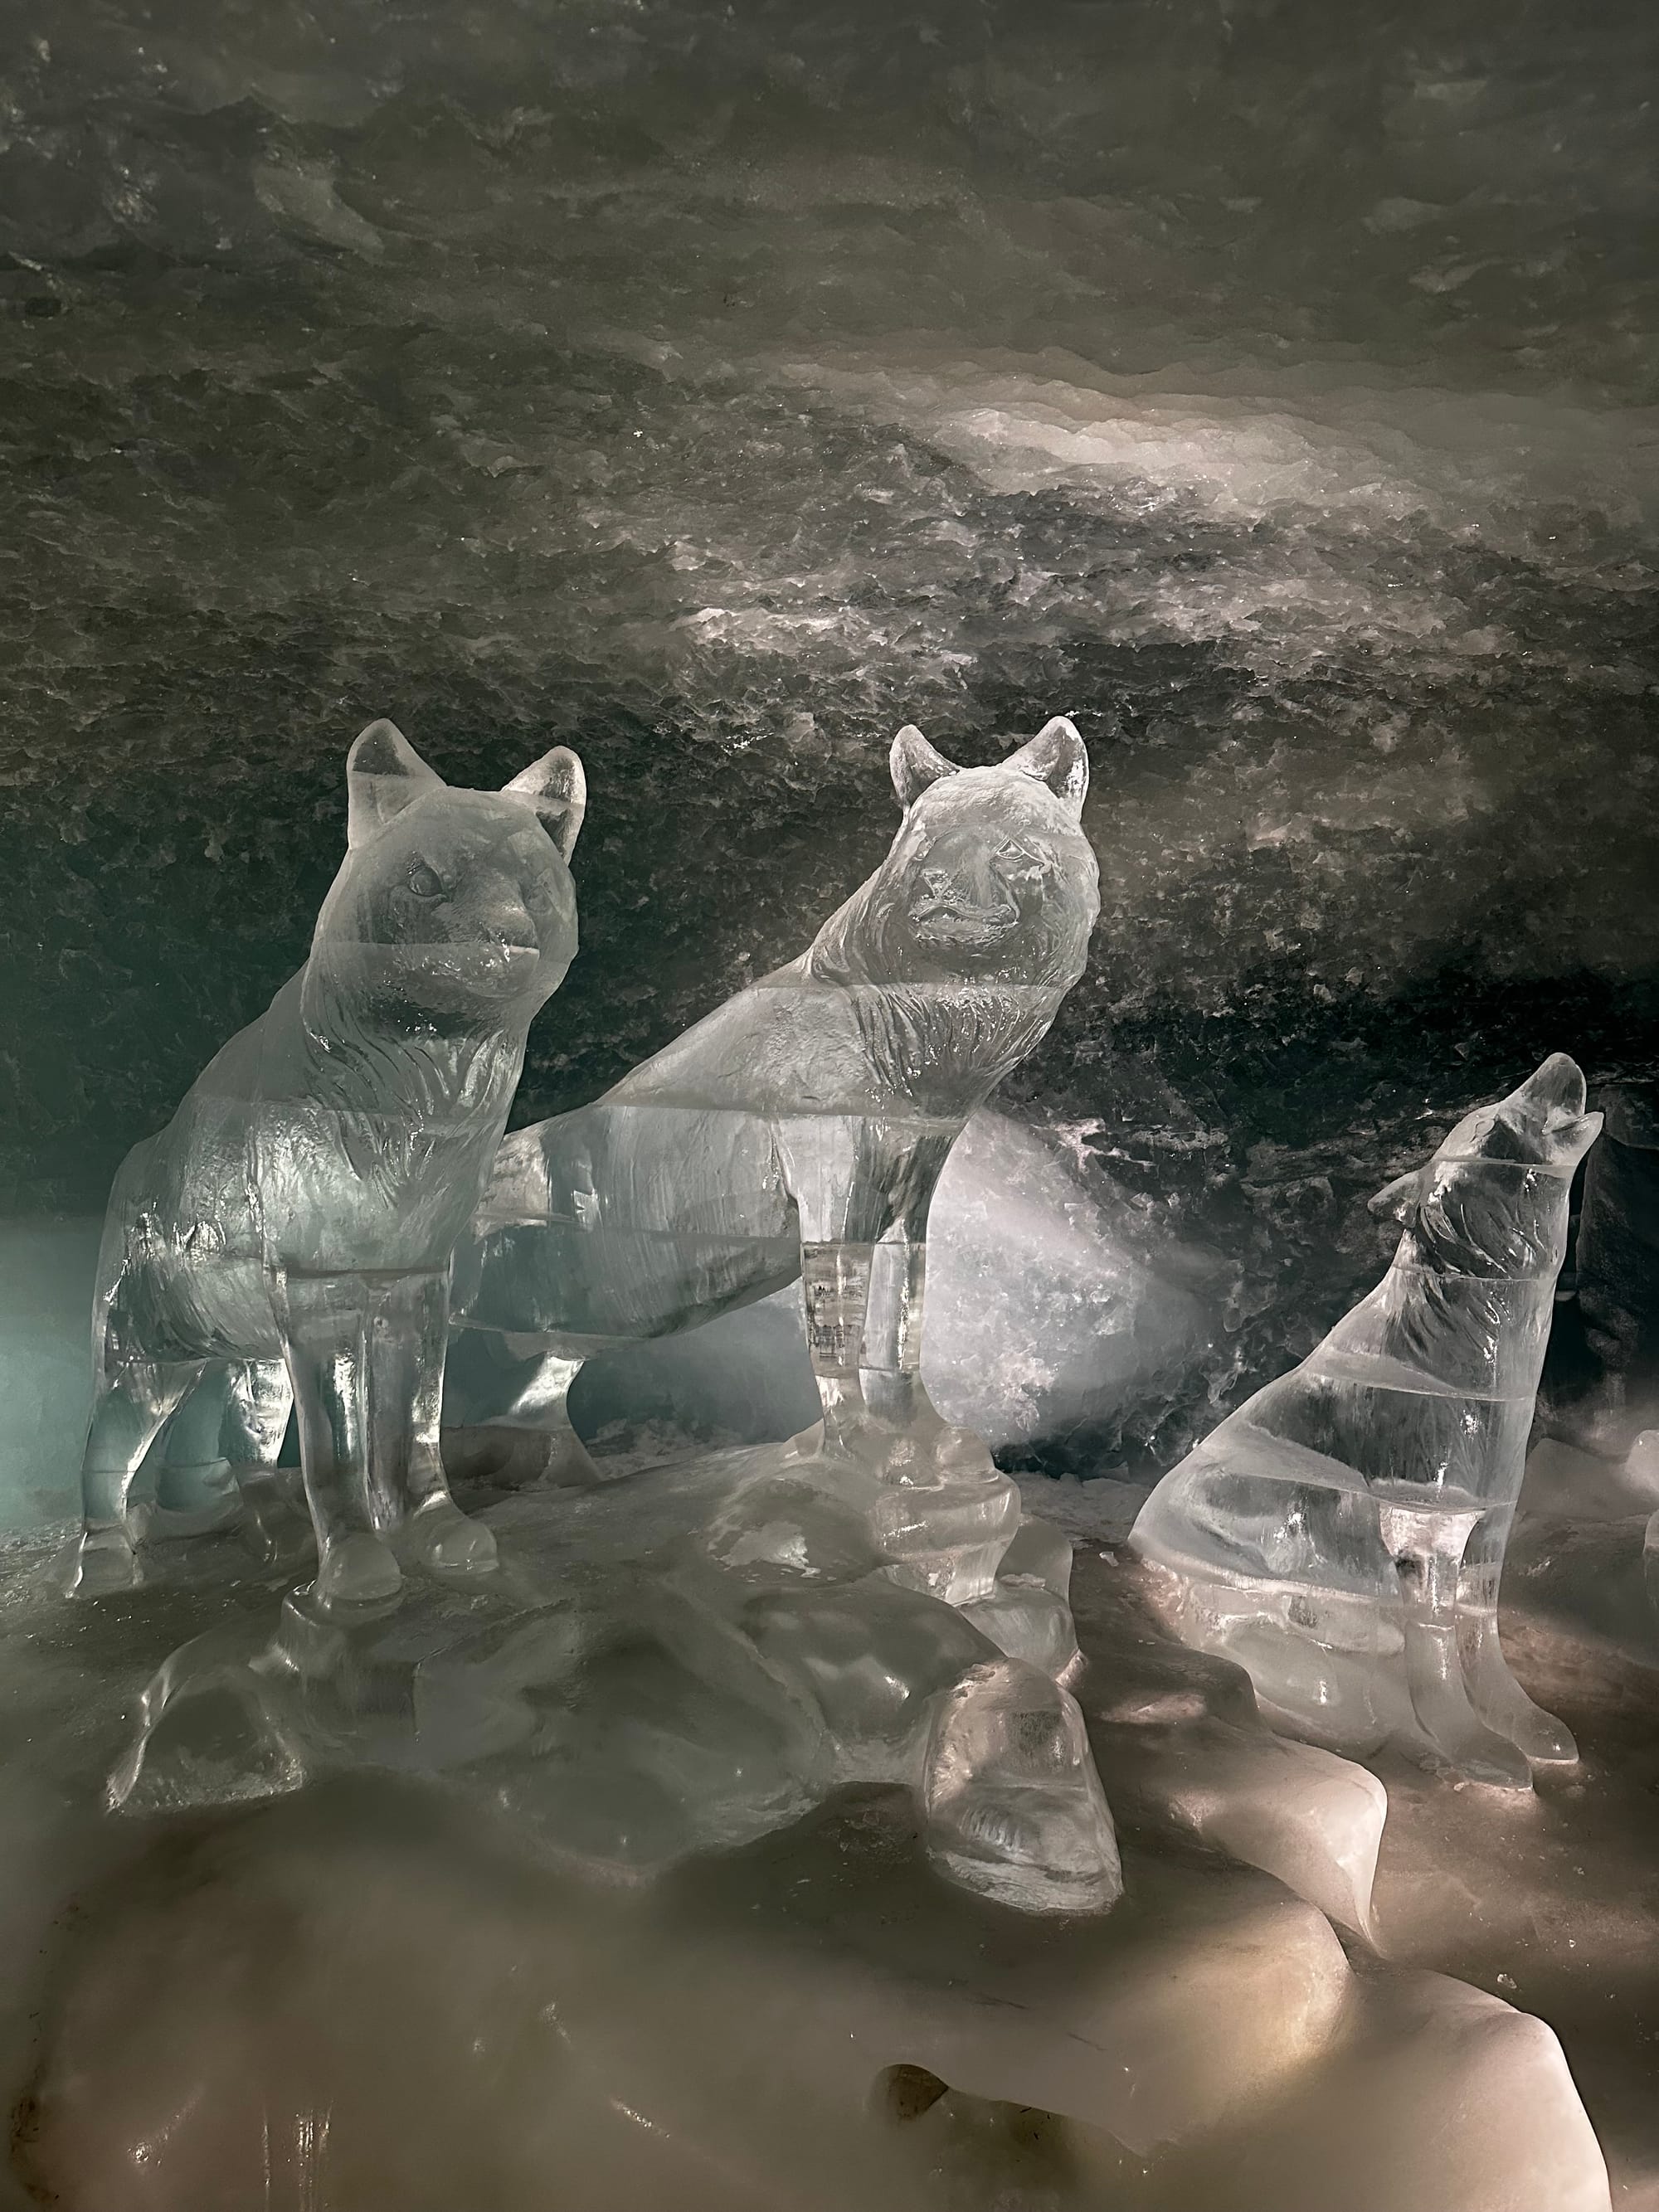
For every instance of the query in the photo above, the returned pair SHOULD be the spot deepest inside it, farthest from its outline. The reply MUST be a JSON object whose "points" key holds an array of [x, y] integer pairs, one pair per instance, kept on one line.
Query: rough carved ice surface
{"points": [[669, 1662], [1341, 1536], [284, 1244]]}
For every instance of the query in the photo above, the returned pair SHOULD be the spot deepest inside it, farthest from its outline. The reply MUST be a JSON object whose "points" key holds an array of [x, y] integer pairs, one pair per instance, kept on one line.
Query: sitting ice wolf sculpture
{"points": [[289, 1233], [1342, 1535], [801, 1129]]}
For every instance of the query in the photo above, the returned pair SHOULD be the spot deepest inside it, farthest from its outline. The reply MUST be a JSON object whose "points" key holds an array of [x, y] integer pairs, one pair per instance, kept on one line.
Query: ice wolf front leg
{"points": [[1427, 1541], [941, 1514], [890, 1360], [847, 1175], [1495, 1695], [132, 1404], [232, 1427], [365, 1353]]}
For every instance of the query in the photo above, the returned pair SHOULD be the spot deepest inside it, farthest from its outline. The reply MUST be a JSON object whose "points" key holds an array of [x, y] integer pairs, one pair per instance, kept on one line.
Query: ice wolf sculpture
{"points": [[288, 1235], [801, 1129], [1342, 1535]]}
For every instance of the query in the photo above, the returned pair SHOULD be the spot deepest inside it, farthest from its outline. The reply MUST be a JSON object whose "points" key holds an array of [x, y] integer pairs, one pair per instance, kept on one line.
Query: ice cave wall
{"points": [[1270, 387]]}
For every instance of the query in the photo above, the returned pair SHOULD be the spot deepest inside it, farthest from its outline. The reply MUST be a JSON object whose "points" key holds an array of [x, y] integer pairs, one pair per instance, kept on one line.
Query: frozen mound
{"points": [[675, 1662], [256, 2009], [806, 2006]]}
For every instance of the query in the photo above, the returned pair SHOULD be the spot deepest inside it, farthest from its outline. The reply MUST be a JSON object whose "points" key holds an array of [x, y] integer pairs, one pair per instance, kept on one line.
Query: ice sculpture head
{"points": [[990, 878], [1493, 1199], [451, 905]]}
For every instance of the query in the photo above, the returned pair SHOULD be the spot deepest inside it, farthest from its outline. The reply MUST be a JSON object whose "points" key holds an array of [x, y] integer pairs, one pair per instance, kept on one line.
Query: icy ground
{"points": [[1270, 385], [299, 2003]]}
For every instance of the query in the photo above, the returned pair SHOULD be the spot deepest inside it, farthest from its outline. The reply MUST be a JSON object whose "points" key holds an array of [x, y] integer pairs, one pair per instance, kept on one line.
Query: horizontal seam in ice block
{"points": [[1422, 1386]]}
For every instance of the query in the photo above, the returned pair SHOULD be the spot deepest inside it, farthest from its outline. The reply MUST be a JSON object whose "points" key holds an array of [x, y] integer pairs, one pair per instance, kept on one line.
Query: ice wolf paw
{"points": [[1013, 1806], [357, 1570], [444, 1539], [102, 1563]]}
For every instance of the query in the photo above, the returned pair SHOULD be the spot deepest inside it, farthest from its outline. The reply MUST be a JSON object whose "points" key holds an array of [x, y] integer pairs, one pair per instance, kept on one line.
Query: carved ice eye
{"points": [[424, 882]]}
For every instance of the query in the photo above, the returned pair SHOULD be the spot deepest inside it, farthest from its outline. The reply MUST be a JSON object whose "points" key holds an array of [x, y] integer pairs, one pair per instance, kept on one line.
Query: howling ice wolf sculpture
{"points": [[288, 1236], [801, 1128], [1341, 1536]]}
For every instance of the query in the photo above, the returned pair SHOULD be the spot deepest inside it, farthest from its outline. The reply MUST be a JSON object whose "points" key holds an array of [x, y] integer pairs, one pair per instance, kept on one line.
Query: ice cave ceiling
{"points": [[1270, 385]]}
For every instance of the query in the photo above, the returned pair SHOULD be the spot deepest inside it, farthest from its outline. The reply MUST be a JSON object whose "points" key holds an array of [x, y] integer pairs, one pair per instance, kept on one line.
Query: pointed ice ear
{"points": [[1056, 757], [916, 765], [1399, 1200], [557, 789], [384, 773]]}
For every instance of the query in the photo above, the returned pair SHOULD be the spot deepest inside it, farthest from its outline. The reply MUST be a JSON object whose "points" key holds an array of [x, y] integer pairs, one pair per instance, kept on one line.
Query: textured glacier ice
{"points": [[286, 1240], [1342, 1534], [1600, 1383], [1059, 1314]]}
